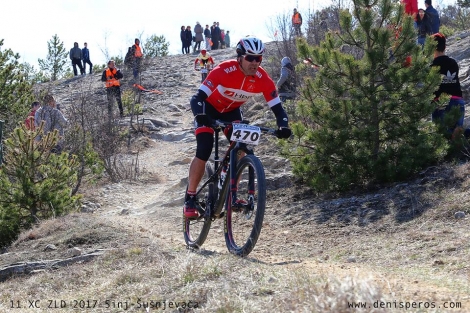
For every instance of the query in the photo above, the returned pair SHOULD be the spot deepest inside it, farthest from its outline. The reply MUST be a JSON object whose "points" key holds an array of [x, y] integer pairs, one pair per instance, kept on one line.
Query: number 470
{"points": [[246, 135]]}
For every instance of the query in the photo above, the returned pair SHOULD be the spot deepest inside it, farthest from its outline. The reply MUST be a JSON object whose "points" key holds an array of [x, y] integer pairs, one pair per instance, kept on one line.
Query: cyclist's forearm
{"points": [[281, 115]]}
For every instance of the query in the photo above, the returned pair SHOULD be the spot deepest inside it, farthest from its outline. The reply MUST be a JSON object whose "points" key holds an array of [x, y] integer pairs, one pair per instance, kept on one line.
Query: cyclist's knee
{"points": [[205, 143]]}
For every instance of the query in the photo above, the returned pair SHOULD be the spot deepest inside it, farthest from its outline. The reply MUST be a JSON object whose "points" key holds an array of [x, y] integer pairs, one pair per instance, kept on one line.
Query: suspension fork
{"points": [[233, 172]]}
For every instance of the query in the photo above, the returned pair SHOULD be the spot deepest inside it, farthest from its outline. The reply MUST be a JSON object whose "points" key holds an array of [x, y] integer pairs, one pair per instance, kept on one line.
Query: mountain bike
{"points": [[240, 200], [205, 69]]}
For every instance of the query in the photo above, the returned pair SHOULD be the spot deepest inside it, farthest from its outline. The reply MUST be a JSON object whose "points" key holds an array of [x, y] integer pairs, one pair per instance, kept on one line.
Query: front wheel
{"points": [[196, 230], [243, 221]]}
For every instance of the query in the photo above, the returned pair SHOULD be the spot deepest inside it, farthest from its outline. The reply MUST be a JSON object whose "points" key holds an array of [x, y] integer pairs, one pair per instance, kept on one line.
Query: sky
{"points": [[27, 25]]}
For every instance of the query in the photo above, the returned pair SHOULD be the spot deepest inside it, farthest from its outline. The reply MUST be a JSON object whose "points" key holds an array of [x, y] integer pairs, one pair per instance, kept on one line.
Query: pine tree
{"points": [[16, 92], [57, 58], [156, 46], [368, 108], [35, 184]]}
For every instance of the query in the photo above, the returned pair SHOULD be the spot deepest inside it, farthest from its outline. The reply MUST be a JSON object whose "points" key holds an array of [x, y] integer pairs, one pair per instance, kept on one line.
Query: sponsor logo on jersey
{"points": [[209, 83]]}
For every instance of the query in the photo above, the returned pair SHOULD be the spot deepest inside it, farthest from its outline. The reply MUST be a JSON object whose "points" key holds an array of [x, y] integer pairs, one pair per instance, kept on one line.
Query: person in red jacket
{"points": [[29, 122], [227, 87]]}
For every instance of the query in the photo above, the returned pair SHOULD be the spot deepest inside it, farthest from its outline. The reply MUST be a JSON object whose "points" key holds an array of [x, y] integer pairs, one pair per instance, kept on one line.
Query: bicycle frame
{"points": [[245, 175], [230, 159]]}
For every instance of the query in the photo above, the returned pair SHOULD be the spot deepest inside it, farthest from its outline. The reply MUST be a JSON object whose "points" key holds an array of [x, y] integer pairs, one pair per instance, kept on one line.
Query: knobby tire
{"points": [[196, 230], [243, 226]]}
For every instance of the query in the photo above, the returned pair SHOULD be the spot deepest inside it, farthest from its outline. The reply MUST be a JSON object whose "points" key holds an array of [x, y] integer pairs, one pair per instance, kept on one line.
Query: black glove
{"points": [[204, 119], [283, 132]]}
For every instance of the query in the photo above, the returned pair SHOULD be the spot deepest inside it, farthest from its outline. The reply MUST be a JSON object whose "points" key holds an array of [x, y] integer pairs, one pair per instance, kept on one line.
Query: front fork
{"points": [[234, 181]]}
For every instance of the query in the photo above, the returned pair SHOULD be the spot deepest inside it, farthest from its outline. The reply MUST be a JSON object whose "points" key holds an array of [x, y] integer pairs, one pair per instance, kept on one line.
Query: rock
{"points": [[75, 251], [50, 247], [125, 212]]}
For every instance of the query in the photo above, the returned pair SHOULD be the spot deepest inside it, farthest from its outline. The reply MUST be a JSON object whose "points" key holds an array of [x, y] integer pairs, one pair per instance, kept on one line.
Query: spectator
{"points": [[424, 26], [297, 23], [29, 122], [215, 36], [76, 57], [111, 77], [198, 36], [222, 39], [227, 39], [433, 16], [450, 85], [208, 38], [189, 38], [286, 83], [53, 119], [183, 39], [138, 54], [86, 58]]}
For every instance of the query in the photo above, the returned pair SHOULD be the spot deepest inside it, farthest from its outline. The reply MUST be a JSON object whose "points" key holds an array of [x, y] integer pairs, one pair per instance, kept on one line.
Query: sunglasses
{"points": [[256, 58]]}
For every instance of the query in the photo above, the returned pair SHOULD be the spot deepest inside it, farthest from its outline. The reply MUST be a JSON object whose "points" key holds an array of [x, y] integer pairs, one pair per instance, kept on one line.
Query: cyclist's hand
{"points": [[283, 133], [204, 119]]}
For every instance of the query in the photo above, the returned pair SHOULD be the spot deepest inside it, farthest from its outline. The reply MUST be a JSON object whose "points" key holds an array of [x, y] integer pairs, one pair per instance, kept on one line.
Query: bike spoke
{"points": [[244, 218]]}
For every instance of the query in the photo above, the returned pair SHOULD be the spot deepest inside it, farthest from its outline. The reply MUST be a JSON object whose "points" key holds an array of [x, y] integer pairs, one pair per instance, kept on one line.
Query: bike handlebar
{"points": [[222, 124]]}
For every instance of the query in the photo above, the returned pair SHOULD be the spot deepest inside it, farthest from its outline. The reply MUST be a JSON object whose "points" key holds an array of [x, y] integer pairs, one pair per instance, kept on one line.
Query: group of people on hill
{"points": [[80, 58], [50, 114], [211, 38], [427, 22]]}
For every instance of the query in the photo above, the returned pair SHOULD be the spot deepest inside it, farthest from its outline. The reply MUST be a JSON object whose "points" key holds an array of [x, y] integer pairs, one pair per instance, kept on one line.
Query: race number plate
{"points": [[248, 134], [204, 70]]}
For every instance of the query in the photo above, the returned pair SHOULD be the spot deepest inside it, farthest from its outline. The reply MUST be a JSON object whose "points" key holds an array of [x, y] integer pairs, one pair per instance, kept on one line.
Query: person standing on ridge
{"points": [[189, 39], [138, 54], [198, 36], [76, 57], [227, 39], [86, 58], [207, 38], [297, 23], [111, 77], [433, 15]]}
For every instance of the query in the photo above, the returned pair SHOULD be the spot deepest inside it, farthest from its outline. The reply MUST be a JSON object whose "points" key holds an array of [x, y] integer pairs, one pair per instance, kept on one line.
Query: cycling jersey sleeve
{"points": [[197, 102], [281, 115]]}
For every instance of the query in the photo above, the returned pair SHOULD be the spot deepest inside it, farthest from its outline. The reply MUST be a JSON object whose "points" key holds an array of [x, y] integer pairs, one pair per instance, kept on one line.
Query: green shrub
{"points": [[35, 184]]}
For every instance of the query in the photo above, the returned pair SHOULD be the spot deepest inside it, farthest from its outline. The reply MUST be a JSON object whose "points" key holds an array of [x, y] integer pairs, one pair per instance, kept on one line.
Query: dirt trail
{"points": [[156, 203]]}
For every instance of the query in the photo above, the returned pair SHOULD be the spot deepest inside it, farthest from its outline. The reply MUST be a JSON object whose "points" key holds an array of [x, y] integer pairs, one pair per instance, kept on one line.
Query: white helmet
{"points": [[250, 45], [285, 61]]}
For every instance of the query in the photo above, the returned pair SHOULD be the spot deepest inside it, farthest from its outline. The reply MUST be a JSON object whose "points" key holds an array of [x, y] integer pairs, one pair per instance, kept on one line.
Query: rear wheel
{"points": [[196, 230], [243, 222]]}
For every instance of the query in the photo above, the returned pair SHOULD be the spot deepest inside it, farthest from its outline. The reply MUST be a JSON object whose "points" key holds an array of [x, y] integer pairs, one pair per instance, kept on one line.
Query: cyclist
{"points": [[229, 85], [203, 58]]}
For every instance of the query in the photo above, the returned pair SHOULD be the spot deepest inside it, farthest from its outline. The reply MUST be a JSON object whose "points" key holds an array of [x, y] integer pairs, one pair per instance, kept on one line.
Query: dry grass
{"points": [[140, 269]]}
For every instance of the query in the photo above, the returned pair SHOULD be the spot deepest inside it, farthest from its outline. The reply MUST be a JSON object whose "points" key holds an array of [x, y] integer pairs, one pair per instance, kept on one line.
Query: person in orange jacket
{"points": [[297, 23], [137, 52], [111, 77]]}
